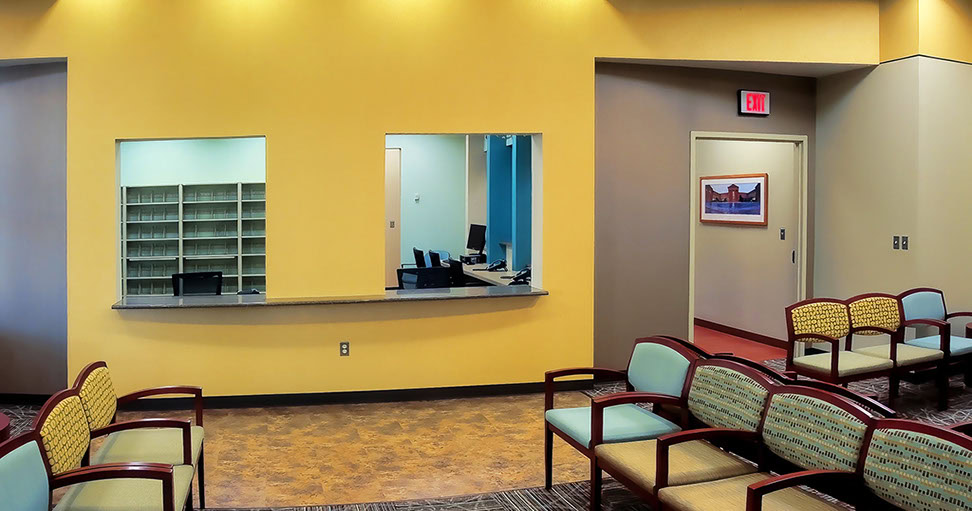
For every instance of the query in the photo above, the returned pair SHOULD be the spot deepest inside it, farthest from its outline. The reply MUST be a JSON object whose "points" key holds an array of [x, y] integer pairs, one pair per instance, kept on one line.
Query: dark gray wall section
{"points": [[33, 229], [644, 115]]}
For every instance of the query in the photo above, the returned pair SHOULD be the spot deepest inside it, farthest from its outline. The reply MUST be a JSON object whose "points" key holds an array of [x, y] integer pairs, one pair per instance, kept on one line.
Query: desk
{"points": [[477, 271]]}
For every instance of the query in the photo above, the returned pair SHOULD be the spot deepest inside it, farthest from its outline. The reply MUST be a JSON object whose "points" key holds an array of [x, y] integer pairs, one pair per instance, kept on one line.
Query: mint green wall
{"points": [[193, 161], [433, 166]]}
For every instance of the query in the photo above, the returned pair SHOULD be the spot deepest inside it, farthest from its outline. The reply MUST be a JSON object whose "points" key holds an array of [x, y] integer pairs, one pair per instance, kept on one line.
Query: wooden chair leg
{"points": [[201, 473], [189, 499], [596, 480], [893, 382], [547, 456], [968, 373], [942, 383]]}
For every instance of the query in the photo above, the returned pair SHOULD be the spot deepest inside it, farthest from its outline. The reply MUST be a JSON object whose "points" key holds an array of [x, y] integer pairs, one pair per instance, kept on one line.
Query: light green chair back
{"points": [[657, 368], [724, 394], [23, 477]]}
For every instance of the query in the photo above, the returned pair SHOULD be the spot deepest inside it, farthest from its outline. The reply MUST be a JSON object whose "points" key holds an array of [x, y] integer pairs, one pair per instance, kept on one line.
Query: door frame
{"points": [[802, 163]]}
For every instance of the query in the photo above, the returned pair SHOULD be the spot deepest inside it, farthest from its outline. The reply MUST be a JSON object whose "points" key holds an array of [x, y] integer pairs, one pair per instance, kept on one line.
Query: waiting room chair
{"points": [[826, 320], [879, 313], [143, 440], [656, 374], [62, 430], [926, 307]]}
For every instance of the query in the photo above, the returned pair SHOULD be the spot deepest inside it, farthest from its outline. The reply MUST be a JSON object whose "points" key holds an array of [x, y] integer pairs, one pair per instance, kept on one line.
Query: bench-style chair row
{"points": [[828, 320], [657, 374], [145, 464], [757, 440]]}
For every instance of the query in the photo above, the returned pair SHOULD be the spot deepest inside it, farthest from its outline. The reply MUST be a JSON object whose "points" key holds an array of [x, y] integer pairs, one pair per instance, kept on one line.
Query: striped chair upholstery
{"points": [[724, 398], [875, 311], [65, 435], [813, 433], [99, 399], [827, 318], [919, 472]]}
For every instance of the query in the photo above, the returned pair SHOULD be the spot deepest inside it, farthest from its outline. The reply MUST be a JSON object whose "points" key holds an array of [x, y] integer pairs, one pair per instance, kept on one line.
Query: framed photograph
{"points": [[736, 199]]}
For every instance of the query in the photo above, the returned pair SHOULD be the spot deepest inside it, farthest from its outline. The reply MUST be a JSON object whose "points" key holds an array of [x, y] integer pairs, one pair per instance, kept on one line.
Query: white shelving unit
{"points": [[187, 228]]}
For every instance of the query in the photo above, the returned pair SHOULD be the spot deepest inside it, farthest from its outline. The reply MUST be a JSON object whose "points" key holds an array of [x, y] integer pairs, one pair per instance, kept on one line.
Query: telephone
{"points": [[521, 277], [499, 265]]}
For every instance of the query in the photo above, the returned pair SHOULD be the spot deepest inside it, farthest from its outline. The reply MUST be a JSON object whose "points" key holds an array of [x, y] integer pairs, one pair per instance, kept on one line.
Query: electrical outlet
{"points": [[904, 243], [345, 348], [895, 242]]}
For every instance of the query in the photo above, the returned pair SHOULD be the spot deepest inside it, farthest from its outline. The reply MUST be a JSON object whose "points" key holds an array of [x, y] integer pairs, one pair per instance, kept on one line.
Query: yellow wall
{"points": [[324, 81], [899, 29], [945, 29]]}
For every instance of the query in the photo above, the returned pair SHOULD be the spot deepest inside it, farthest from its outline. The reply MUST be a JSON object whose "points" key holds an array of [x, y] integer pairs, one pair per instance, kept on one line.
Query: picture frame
{"points": [[734, 199]]}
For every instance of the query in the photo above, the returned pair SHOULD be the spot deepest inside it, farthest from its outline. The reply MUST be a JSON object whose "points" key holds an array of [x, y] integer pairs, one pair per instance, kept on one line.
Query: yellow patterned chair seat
{"points": [[126, 494], [730, 493], [689, 462], [151, 445], [849, 363], [906, 355]]}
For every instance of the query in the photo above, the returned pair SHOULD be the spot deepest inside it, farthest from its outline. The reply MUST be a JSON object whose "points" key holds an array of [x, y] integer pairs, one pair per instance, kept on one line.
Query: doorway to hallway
{"points": [[742, 276]]}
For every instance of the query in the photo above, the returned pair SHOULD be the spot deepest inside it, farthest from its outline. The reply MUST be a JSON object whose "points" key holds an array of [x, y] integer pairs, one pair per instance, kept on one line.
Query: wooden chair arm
{"points": [[598, 404], [154, 423], [550, 376], [958, 314], [155, 471], [929, 322], [665, 442], [755, 491], [194, 391], [944, 330]]}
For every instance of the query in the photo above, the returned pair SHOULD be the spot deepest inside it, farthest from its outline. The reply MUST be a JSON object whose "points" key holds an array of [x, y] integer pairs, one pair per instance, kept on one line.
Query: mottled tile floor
{"points": [[376, 452]]}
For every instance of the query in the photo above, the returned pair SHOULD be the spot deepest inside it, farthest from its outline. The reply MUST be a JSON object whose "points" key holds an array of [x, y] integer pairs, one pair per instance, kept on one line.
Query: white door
{"points": [[393, 215], [746, 275]]}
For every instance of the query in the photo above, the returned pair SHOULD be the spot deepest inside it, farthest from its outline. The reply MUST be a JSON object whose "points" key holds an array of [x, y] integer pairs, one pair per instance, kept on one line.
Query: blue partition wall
{"points": [[509, 190]]}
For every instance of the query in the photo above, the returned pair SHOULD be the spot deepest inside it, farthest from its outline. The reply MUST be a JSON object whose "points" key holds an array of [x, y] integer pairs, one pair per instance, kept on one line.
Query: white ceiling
{"points": [[812, 69]]}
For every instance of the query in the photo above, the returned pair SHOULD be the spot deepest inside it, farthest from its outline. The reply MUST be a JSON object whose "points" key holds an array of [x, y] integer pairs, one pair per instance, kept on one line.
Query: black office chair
{"points": [[203, 283], [456, 276], [434, 258], [419, 257], [423, 278]]}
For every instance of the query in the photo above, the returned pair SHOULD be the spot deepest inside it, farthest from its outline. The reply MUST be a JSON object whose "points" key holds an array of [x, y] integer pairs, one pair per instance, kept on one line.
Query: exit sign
{"points": [[754, 102]]}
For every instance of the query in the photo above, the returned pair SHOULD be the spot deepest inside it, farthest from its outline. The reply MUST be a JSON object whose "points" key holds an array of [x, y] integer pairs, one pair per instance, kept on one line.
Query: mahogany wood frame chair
{"points": [[827, 320], [882, 313], [101, 405], [925, 306], [61, 430], [782, 461], [657, 373]]}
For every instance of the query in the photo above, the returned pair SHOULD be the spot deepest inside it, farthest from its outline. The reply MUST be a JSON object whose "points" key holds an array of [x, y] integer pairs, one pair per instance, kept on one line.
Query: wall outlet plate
{"points": [[895, 242], [904, 243], [345, 348]]}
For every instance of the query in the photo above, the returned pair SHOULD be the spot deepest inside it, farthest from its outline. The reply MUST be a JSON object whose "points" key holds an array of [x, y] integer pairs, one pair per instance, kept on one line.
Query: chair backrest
{"points": [[814, 429], [23, 477], [97, 395], [660, 364], [918, 466], [874, 310], [923, 303], [419, 258], [64, 432], [457, 277], [434, 259], [727, 394], [820, 316]]}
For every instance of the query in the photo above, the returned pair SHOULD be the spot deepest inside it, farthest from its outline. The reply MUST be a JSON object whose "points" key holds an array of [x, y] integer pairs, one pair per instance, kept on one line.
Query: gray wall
{"points": [[643, 118], [33, 251]]}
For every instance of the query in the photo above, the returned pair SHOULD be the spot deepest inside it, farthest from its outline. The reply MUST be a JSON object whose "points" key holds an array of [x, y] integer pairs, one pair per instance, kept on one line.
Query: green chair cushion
{"points": [[956, 345], [126, 494], [622, 423], [849, 363], [151, 445], [905, 354]]}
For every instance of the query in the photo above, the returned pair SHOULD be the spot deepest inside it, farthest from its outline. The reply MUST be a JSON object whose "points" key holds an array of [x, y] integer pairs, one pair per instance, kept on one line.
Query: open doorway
{"points": [[744, 271]]}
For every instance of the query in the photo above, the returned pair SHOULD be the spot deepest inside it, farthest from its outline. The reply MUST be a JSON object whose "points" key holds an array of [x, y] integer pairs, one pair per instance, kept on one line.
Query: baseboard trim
{"points": [[24, 399], [738, 332], [354, 397]]}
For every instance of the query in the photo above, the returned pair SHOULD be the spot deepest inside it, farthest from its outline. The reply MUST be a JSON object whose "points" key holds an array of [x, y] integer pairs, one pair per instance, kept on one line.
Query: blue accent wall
{"points": [[499, 193], [434, 167], [522, 201]]}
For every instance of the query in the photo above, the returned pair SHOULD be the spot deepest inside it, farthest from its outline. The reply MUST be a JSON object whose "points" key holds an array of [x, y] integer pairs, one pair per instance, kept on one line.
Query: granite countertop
{"points": [[392, 295]]}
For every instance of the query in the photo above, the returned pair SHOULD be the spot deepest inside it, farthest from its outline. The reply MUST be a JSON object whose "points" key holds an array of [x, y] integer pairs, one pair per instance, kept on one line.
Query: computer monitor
{"points": [[477, 238], [197, 284]]}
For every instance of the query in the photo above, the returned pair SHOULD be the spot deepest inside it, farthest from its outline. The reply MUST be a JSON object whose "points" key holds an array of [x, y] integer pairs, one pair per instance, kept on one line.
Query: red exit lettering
{"points": [[753, 102]]}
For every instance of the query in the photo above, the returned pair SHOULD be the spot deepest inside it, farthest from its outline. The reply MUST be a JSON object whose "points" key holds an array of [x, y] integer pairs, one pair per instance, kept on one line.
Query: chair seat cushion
{"points": [[688, 462], [849, 363], [956, 345], [622, 423], [150, 445], [906, 355], [731, 494], [126, 494]]}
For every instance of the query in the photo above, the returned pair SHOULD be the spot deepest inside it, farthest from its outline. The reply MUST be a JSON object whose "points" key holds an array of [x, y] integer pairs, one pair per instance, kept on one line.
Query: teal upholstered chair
{"points": [[926, 307], [23, 477], [656, 374]]}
